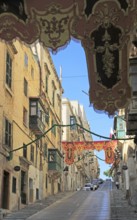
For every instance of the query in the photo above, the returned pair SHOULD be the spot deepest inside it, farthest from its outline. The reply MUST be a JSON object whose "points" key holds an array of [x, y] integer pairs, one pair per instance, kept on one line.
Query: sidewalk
{"points": [[32, 209], [120, 209]]}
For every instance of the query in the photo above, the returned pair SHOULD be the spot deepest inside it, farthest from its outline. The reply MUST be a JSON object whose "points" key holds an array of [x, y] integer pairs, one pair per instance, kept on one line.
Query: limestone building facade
{"points": [[30, 144]]}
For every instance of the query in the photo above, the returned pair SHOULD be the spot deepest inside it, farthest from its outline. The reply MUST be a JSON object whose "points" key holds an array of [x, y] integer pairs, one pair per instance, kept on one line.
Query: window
{"points": [[72, 122], [45, 150], [47, 117], [46, 181], [32, 153], [51, 157], [25, 60], [40, 114], [32, 72], [8, 70], [59, 102], [33, 108], [47, 71], [25, 151], [14, 185], [8, 133], [25, 116], [53, 98], [36, 109], [37, 193], [46, 84], [54, 128], [40, 144], [25, 87]]}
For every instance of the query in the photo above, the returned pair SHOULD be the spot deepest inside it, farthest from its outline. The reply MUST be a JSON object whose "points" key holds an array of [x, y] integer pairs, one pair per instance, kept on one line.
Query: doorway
{"points": [[30, 190], [5, 190], [23, 187]]}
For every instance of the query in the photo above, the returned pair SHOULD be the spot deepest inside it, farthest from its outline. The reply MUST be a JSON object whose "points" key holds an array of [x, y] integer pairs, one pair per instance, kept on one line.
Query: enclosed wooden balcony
{"points": [[55, 161], [36, 125], [37, 116]]}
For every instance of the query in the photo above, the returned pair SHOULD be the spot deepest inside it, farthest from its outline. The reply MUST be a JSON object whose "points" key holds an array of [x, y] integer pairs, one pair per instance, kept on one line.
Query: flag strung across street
{"points": [[71, 148]]}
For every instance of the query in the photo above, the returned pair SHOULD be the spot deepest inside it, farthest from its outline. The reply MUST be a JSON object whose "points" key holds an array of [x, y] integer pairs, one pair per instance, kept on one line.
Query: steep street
{"points": [[68, 110], [105, 203]]}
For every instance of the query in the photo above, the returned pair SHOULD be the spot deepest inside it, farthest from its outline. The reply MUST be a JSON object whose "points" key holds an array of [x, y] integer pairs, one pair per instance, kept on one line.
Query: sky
{"points": [[76, 86]]}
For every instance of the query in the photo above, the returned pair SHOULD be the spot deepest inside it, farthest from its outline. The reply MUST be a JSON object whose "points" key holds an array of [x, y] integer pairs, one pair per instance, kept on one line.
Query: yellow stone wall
{"points": [[12, 102]]}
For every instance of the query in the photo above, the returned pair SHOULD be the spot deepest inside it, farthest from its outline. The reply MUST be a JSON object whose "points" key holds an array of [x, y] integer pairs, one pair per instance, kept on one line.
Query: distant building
{"points": [[81, 170]]}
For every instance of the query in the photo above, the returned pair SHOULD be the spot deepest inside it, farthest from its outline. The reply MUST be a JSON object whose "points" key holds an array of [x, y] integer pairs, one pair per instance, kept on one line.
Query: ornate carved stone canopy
{"points": [[104, 28]]}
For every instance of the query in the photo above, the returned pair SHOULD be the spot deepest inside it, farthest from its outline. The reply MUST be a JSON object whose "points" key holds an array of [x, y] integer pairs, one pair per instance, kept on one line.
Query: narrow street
{"points": [[106, 203], [68, 110], [84, 205]]}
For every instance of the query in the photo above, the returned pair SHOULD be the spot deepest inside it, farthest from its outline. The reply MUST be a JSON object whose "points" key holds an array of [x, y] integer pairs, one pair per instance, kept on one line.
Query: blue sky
{"points": [[75, 84]]}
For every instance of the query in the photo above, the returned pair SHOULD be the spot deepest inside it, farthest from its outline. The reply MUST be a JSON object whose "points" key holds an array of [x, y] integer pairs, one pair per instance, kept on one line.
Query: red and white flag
{"points": [[111, 133]]}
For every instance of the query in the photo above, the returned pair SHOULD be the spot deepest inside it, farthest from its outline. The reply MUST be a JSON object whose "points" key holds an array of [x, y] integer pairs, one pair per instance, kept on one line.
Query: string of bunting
{"points": [[68, 125]]}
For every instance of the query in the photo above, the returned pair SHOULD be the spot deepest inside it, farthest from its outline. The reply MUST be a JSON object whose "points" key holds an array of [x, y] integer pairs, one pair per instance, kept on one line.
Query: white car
{"points": [[88, 187], [95, 183]]}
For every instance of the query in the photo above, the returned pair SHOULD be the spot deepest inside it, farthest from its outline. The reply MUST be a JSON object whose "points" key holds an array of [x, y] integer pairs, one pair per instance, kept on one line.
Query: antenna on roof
{"points": [[60, 75]]}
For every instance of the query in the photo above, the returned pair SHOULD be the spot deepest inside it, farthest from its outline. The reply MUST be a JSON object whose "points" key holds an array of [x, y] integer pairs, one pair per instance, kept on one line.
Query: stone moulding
{"points": [[104, 28]]}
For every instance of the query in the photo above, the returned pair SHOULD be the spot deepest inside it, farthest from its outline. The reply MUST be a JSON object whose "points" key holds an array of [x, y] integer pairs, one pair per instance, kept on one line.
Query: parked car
{"points": [[89, 186], [100, 181], [95, 183], [93, 187], [108, 179]]}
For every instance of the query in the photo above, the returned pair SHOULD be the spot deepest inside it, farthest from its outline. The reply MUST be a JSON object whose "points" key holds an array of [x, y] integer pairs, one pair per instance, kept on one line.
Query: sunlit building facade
{"points": [[81, 171], [30, 157]]}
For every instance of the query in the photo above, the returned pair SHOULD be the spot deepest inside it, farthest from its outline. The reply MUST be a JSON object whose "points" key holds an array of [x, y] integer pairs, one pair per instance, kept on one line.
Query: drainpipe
{"points": [[127, 183]]}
